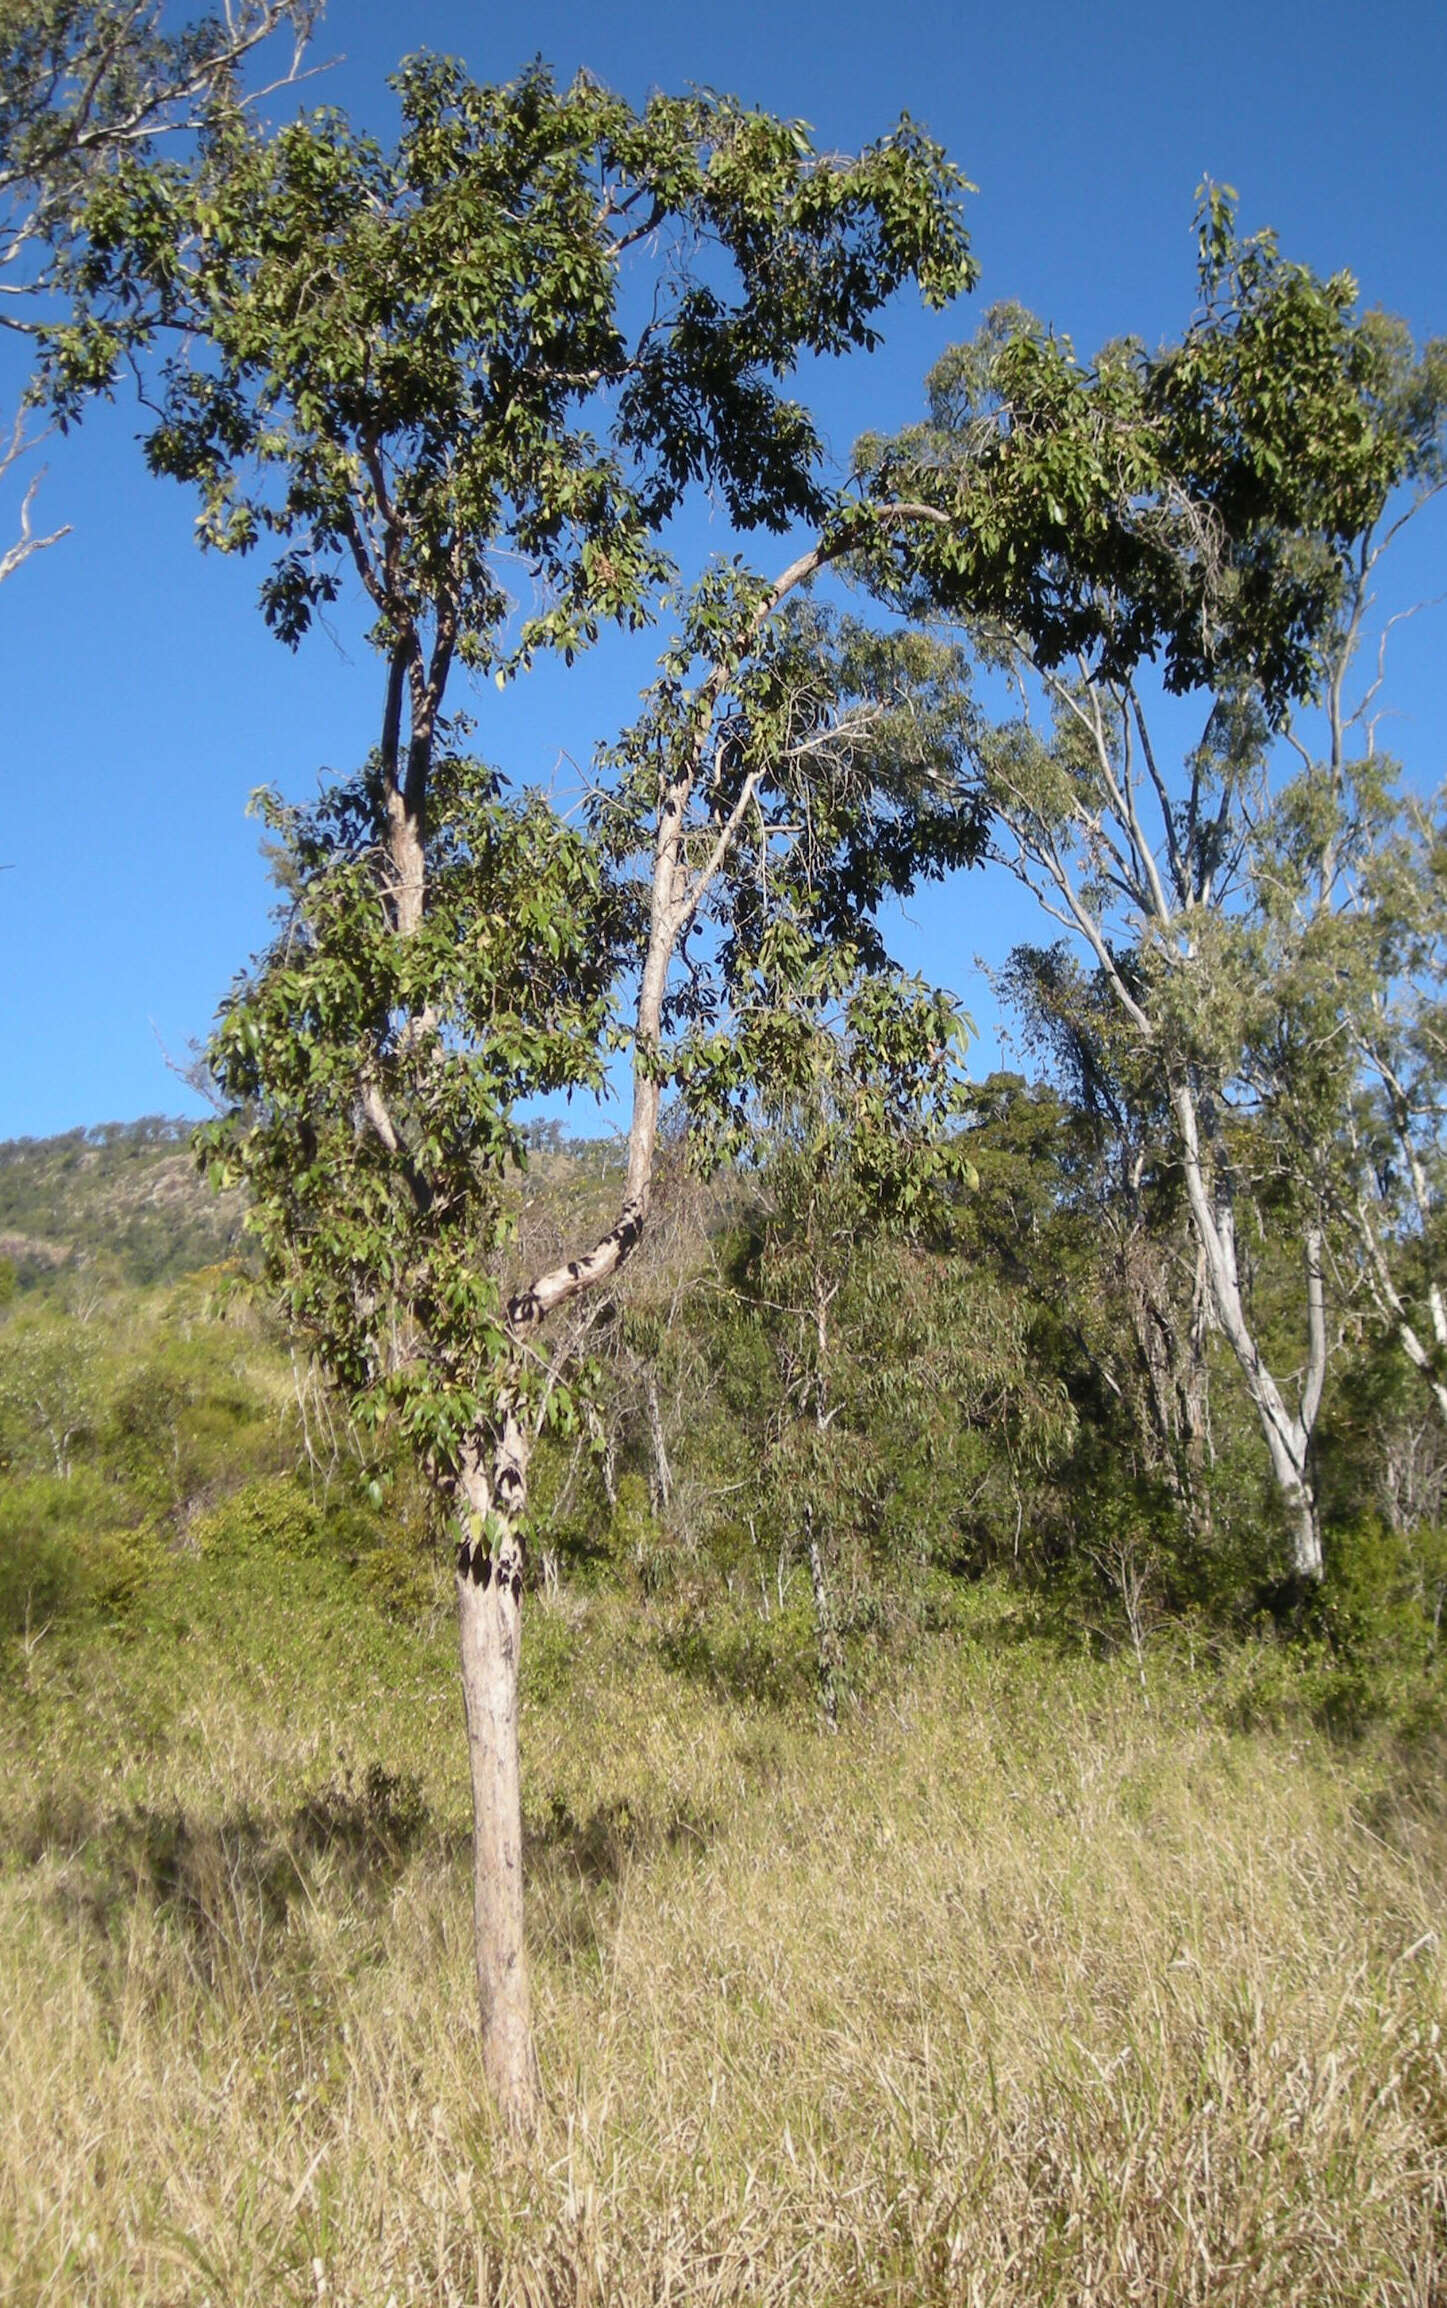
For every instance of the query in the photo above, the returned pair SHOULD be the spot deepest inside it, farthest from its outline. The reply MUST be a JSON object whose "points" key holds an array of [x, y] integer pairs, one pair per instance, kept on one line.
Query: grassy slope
{"points": [[1020, 1990]]}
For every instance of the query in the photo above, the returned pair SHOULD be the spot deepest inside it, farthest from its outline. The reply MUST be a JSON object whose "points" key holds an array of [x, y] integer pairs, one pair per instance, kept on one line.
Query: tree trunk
{"points": [[831, 1656], [825, 1634], [661, 1481], [1393, 1309], [1288, 1444], [489, 1598], [1307, 1559], [1287, 1436], [493, 1473], [1172, 1412]]}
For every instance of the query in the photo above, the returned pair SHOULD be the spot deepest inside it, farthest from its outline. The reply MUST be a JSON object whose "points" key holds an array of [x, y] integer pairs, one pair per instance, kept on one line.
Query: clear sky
{"points": [[143, 699]]}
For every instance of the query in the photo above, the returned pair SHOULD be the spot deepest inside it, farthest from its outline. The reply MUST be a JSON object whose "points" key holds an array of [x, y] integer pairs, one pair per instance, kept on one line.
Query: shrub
{"points": [[63, 1553], [273, 1515]]}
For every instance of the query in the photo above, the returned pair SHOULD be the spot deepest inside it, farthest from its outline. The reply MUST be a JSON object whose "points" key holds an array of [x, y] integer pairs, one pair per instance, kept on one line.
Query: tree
{"points": [[49, 1394], [1215, 509], [13, 452], [861, 1099], [83, 85], [420, 365], [1390, 974], [1142, 1304]]}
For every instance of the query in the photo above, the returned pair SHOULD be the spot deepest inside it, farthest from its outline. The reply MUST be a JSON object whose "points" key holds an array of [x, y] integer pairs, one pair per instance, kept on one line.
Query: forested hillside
{"points": [[1028, 1389], [122, 1198]]}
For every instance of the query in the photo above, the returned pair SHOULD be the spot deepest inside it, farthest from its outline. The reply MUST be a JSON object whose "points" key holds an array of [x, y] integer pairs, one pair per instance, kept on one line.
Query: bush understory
{"points": [[1044, 1980]]}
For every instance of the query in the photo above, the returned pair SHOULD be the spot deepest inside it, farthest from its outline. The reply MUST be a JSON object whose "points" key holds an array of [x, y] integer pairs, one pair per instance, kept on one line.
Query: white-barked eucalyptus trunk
{"points": [[1167, 879]]}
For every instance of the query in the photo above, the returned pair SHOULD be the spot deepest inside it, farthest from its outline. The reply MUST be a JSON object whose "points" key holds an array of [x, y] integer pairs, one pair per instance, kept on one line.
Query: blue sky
{"points": [[144, 700]]}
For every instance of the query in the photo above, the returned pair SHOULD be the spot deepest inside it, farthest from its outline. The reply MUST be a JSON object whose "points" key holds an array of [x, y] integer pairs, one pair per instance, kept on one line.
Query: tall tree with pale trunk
{"points": [[1200, 521], [514, 343]]}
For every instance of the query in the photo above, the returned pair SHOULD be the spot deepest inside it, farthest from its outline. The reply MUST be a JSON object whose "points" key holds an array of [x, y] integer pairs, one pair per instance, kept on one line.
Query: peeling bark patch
{"points": [[481, 1567], [464, 1555]]}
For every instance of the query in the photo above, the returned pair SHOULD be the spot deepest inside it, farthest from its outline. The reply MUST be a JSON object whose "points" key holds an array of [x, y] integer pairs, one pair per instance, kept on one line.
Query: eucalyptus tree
{"points": [[913, 1420], [1204, 521], [1141, 1308], [514, 342], [1390, 972]]}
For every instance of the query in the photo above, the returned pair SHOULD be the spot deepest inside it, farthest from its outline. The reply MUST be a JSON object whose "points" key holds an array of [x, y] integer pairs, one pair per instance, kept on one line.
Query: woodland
{"points": [[837, 1694]]}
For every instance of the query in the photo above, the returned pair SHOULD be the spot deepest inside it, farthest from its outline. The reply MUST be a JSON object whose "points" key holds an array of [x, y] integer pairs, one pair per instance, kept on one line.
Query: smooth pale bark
{"points": [[490, 1560], [489, 1610], [406, 852], [825, 1633], [1287, 1434], [1429, 1362], [661, 1481], [21, 444], [1169, 881], [493, 1484]]}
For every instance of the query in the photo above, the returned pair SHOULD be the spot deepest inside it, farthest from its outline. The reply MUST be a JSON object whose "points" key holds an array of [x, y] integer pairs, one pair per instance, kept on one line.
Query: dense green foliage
{"points": [[1201, 505], [976, 1403], [385, 1245], [86, 87], [464, 375]]}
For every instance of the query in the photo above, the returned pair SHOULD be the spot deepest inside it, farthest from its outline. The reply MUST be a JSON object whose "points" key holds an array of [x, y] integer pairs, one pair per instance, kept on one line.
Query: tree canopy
{"points": [[1206, 519], [86, 86]]}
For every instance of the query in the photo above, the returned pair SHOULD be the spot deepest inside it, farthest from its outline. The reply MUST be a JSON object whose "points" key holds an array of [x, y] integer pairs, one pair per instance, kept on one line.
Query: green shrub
{"points": [[41, 1568], [738, 1654], [400, 1578], [274, 1515], [1364, 1649], [637, 1544], [63, 1553]]}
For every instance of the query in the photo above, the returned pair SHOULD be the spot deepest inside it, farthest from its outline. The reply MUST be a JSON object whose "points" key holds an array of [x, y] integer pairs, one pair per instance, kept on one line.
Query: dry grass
{"points": [[1013, 1993]]}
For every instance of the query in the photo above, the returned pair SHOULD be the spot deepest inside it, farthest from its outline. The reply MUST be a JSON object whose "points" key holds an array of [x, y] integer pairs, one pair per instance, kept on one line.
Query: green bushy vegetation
{"points": [[985, 1420]]}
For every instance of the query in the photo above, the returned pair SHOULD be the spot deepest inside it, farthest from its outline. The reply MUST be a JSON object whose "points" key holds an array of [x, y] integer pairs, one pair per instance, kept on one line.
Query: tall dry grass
{"points": [[1015, 1992]]}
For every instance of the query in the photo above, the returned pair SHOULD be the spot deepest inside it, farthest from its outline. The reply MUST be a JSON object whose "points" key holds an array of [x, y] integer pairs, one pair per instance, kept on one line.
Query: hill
{"points": [[126, 1193]]}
